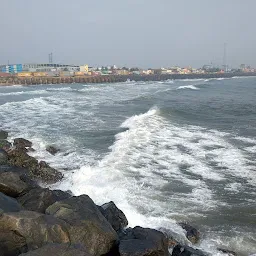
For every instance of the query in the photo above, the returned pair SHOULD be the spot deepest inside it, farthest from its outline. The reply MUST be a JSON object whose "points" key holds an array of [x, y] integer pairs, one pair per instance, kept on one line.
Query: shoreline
{"points": [[13, 80]]}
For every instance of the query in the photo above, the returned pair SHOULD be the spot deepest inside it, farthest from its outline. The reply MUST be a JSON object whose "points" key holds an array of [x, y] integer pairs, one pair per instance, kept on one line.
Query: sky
{"points": [[134, 33]]}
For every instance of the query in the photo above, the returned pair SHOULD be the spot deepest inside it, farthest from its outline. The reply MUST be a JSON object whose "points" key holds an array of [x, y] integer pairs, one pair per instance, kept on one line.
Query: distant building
{"points": [[11, 69], [84, 68]]}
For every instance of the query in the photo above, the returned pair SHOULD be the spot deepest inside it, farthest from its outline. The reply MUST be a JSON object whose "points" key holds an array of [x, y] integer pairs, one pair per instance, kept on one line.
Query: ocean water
{"points": [[164, 152]]}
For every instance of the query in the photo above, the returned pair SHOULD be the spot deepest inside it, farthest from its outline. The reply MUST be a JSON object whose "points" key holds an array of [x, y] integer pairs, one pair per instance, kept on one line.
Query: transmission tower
{"points": [[225, 66], [50, 58]]}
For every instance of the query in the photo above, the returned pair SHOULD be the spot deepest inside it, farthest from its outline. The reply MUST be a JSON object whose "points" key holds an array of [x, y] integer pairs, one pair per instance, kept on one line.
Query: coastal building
{"points": [[84, 69], [11, 69]]}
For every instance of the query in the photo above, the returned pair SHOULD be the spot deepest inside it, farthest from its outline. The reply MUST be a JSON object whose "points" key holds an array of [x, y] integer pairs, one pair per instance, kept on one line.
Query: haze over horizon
{"points": [[142, 33]]}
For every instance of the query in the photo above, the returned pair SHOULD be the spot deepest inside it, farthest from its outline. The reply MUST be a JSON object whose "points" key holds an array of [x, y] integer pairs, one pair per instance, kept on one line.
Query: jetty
{"points": [[14, 80]]}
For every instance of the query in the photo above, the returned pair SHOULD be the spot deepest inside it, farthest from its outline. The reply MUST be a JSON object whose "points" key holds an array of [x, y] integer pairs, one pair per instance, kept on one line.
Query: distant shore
{"points": [[14, 80]]}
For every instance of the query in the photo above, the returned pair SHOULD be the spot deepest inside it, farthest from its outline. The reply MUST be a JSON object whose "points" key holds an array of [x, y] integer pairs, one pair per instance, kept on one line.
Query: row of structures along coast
{"points": [[28, 74]]}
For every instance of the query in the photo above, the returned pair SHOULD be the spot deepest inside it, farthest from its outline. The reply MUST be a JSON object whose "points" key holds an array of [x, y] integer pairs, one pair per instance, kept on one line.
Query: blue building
{"points": [[17, 68]]}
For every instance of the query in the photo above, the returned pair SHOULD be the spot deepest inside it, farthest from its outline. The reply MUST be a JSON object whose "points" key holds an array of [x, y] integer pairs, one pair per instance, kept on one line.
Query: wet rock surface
{"points": [[39, 199], [15, 182], [8, 204], [114, 216], [143, 242], [3, 135], [3, 157], [58, 250], [192, 233], [180, 250], [87, 225], [52, 150]]}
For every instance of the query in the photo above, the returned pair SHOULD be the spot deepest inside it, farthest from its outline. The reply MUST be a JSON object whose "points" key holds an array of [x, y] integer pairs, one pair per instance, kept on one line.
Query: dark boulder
{"points": [[3, 135], [58, 250], [22, 143], [5, 145], [3, 157], [12, 244], [32, 230], [19, 157], [87, 225], [47, 173], [143, 242], [192, 234], [114, 216], [15, 182], [52, 150], [39, 199], [180, 250], [8, 204]]}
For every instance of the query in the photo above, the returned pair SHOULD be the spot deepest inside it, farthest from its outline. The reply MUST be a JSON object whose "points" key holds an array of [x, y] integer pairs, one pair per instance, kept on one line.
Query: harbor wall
{"points": [[14, 80]]}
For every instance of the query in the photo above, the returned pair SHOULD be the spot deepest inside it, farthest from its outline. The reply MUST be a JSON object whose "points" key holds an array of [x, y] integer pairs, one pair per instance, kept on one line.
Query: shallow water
{"points": [[164, 152]]}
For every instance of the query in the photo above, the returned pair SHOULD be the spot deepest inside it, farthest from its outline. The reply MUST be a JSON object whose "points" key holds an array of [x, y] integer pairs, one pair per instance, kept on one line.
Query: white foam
{"points": [[191, 87], [234, 187]]}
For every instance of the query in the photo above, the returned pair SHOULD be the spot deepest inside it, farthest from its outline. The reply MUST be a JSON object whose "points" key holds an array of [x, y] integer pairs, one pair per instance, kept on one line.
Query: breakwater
{"points": [[14, 80]]}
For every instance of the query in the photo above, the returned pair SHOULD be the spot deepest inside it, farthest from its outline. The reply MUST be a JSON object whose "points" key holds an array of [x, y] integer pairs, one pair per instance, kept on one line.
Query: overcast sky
{"points": [[146, 33]]}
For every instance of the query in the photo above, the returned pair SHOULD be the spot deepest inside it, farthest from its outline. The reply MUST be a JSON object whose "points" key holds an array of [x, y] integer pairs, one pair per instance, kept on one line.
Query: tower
{"points": [[225, 66], [50, 58]]}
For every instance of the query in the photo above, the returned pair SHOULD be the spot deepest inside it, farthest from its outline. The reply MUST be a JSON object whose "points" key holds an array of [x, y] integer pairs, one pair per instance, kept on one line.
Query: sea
{"points": [[165, 152]]}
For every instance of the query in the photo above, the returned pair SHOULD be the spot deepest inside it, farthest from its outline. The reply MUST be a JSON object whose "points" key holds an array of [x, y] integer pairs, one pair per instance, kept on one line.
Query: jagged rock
{"points": [[22, 143], [87, 225], [228, 252], [5, 145], [3, 157], [143, 242], [48, 173], [170, 236], [114, 216], [14, 182], [8, 204], [38, 199], [19, 157], [192, 234], [3, 135], [52, 150], [31, 230], [12, 244], [58, 250], [180, 250]]}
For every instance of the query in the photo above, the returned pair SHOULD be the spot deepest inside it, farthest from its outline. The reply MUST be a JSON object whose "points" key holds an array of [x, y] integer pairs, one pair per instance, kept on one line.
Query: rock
{"points": [[3, 157], [143, 242], [48, 173], [228, 252], [52, 150], [12, 244], [87, 225], [32, 230], [22, 143], [180, 250], [15, 182], [58, 250], [114, 216], [170, 236], [5, 145], [192, 234], [38, 199], [19, 157], [3, 135], [8, 204]]}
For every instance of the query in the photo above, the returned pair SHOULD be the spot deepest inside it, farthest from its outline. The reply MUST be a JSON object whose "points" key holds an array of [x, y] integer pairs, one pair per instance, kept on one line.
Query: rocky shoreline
{"points": [[36, 221]]}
